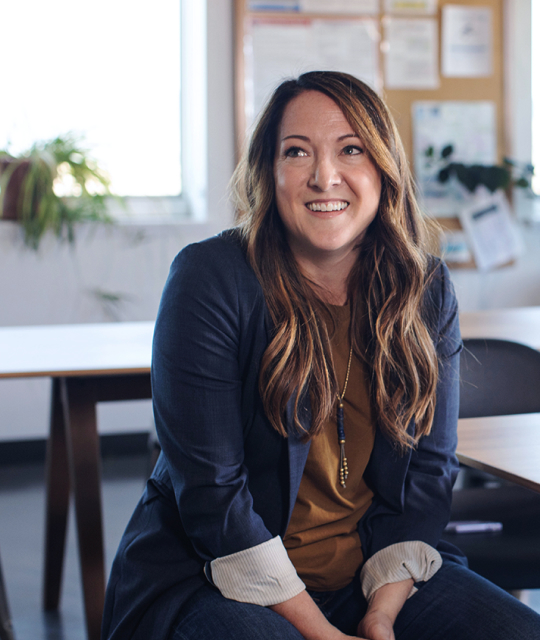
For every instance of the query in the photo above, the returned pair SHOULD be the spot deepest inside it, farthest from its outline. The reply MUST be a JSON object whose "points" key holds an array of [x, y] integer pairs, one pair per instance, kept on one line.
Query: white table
{"points": [[88, 364], [505, 446], [519, 324]]}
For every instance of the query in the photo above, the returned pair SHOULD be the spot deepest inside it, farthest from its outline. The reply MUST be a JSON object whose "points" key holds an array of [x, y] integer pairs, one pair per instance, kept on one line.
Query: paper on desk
{"points": [[492, 234], [276, 50], [411, 53], [411, 6], [467, 41], [352, 7]]}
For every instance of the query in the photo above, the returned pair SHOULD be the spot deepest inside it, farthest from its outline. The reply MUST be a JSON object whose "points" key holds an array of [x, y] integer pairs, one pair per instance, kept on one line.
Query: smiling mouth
{"points": [[327, 206]]}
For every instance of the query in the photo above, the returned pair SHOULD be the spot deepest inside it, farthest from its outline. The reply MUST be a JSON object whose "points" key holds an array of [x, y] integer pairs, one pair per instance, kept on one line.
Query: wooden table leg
{"points": [[84, 461], [57, 473]]}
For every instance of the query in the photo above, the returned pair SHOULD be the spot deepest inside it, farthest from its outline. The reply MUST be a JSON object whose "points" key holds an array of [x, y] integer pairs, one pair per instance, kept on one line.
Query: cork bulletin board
{"points": [[399, 101], [368, 15]]}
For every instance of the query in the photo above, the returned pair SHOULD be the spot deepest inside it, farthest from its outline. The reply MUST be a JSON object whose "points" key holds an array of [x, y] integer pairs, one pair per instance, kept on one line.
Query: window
{"points": [[106, 69], [535, 89]]}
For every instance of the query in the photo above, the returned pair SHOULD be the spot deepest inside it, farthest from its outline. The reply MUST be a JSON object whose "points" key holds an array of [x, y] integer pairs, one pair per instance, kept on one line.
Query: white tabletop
{"points": [[76, 349], [125, 347], [506, 446], [521, 324]]}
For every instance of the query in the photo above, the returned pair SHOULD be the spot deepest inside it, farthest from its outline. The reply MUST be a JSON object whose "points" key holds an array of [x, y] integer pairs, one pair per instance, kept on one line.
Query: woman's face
{"points": [[327, 187]]}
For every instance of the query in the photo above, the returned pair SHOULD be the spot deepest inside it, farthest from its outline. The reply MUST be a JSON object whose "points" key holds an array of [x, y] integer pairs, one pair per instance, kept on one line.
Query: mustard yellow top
{"points": [[322, 540]]}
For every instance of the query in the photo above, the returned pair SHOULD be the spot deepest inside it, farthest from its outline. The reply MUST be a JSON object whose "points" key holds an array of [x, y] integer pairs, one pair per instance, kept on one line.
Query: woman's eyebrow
{"points": [[306, 139]]}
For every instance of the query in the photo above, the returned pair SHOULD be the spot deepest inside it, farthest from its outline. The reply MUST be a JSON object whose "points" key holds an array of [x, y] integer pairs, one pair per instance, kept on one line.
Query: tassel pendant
{"points": [[343, 466]]}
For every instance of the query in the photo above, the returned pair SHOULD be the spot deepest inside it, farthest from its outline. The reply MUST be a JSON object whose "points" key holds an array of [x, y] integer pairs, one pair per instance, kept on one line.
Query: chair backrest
{"points": [[498, 377]]}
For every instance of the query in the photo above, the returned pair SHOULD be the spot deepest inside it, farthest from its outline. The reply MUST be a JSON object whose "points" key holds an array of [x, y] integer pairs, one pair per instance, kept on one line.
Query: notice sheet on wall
{"points": [[467, 41], [279, 49], [490, 229], [411, 53], [470, 127], [427, 7], [351, 7], [273, 5]]}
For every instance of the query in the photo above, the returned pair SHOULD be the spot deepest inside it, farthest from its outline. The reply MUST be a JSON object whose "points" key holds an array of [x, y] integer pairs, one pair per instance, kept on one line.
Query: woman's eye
{"points": [[352, 150], [295, 152]]}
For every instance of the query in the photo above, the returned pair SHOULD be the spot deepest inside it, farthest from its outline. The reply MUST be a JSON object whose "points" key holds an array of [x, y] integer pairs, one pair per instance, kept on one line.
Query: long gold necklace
{"points": [[343, 466]]}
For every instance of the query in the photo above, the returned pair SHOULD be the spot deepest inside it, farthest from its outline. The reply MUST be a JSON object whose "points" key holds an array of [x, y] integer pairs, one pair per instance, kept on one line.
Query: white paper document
{"points": [[276, 50], [411, 53], [490, 229], [470, 127], [454, 246], [274, 5], [351, 7], [427, 7], [467, 41]]}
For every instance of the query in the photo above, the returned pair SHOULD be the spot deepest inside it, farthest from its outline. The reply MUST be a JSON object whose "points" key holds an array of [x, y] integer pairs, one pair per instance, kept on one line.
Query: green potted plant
{"points": [[471, 176], [52, 186]]}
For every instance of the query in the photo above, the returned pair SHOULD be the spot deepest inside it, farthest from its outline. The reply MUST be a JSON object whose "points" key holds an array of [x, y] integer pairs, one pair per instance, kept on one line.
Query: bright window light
{"points": [[535, 66], [108, 70]]}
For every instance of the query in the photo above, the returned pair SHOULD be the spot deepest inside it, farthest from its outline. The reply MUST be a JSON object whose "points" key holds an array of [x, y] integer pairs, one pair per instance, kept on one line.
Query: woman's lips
{"points": [[332, 205]]}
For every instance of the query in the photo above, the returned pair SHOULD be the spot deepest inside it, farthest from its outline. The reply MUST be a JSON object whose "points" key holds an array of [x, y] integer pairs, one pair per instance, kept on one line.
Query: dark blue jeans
{"points": [[456, 604]]}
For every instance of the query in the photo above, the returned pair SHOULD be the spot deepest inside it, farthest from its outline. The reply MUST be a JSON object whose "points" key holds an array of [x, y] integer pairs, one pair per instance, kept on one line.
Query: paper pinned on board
{"points": [[467, 41], [454, 247], [351, 7], [491, 231], [426, 7], [411, 53], [470, 127], [273, 5], [279, 49]]}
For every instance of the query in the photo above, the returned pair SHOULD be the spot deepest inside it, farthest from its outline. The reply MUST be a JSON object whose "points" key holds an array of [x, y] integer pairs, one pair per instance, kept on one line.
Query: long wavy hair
{"points": [[386, 287]]}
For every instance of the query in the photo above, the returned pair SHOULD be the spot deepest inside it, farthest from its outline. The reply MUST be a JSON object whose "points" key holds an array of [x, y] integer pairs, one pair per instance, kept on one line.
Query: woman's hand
{"points": [[376, 625], [386, 603], [302, 612]]}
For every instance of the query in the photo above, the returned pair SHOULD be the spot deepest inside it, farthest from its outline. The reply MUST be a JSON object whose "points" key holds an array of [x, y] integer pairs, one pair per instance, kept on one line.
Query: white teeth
{"points": [[327, 206]]}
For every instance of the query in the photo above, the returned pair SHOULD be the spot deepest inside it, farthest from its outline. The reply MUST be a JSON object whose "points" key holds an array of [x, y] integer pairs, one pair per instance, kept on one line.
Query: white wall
{"points": [[56, 285]]}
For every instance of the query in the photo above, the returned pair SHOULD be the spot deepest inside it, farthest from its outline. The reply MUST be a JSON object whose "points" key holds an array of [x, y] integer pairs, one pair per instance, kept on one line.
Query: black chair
{"points": [[499, 377], [6, 629]]}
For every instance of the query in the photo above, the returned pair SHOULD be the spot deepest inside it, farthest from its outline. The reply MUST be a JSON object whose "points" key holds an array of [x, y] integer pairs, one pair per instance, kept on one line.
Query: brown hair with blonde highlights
{"points": [[386, 287]]}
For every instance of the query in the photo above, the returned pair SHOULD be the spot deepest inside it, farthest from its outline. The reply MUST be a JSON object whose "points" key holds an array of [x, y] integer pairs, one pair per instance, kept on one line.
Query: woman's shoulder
{"points": [[442, 308], [222, 256], [440, 290], [224, 246], [215, 269]]}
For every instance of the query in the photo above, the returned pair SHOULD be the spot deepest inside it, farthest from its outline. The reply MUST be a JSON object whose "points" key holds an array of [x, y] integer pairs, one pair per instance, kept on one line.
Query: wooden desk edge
{"points": [[74, 374], [497, 471]]}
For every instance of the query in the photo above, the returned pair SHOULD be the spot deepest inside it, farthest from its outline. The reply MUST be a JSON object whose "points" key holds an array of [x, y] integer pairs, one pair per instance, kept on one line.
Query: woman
{"points": [[305, 381]]}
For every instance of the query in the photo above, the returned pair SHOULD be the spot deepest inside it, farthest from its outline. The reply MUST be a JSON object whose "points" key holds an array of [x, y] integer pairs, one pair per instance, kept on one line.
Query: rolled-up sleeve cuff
{"points": [[401, 561], [261, 575]]}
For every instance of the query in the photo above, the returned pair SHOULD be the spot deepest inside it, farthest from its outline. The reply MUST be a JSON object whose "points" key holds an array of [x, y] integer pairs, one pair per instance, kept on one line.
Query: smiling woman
{"points": [[305, 390], [327, 190]]}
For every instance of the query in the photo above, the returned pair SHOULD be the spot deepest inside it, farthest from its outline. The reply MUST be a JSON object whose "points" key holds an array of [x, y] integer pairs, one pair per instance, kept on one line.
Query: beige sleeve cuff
{"points": [[261, 575], [413, 559]]}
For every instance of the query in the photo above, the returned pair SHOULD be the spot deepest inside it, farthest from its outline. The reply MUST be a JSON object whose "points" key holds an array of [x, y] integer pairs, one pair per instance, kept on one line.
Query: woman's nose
{"points": [[324, 174]]}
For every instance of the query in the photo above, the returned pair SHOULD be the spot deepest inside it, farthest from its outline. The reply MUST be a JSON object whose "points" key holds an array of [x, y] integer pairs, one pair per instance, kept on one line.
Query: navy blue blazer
{"points": [[226, 480]]}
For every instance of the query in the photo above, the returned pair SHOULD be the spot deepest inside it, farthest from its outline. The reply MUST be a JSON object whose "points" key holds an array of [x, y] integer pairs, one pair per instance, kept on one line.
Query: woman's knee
{"points": [[208, 615], [458, 604]]}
